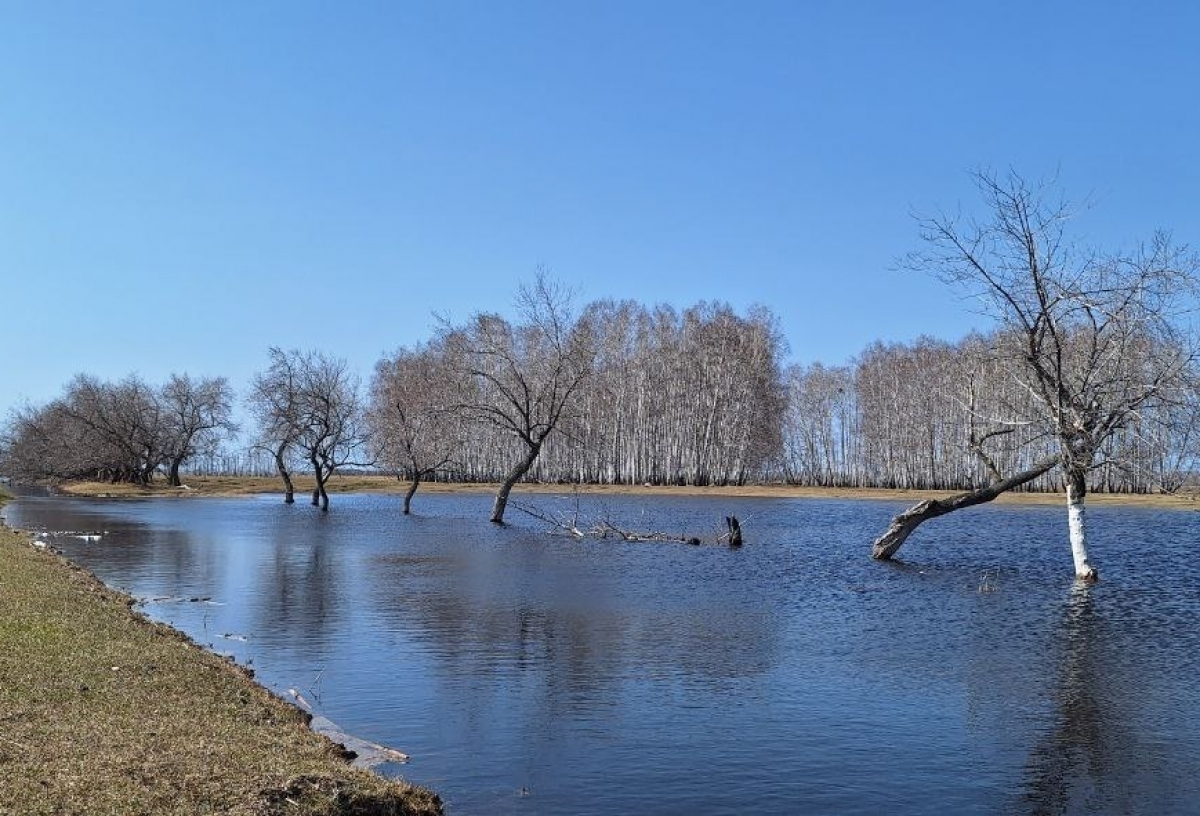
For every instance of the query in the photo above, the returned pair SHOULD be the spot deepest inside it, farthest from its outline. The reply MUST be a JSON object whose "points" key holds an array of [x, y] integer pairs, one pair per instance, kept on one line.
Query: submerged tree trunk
{"points": [[1076, 494], [735, 531], [514, 476], [289, 496], [320, 498], [902, 525], [412, 489]]}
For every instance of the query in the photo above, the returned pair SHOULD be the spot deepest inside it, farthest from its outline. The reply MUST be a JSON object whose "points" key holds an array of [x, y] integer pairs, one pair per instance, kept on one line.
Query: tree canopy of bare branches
{"points": [[522, 377], [308, 405], [198, 416], [118, 432], [274, 403], [417, 428], [1095, 342]]}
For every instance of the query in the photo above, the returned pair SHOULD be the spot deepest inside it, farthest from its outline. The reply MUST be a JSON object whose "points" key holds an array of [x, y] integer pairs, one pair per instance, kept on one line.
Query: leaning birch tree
{"points": [[1094, 341]]}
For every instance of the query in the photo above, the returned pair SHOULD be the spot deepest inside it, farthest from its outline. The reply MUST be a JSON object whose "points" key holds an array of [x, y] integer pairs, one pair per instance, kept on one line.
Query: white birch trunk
{"points": [[1076, 494]]}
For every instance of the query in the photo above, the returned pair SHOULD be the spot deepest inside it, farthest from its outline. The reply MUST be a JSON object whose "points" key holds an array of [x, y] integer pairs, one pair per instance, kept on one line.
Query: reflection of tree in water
{"points": [[575, 640], [130, 552], [300, 589], [1083, 763]]}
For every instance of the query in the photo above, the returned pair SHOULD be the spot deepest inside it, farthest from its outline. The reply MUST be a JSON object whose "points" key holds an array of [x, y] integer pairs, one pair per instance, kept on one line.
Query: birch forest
{"points": [[657, 395]]}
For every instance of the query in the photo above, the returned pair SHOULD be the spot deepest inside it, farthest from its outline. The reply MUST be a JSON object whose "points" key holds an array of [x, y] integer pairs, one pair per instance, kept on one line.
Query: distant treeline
{"points": [[938, 415], [632, 395]]}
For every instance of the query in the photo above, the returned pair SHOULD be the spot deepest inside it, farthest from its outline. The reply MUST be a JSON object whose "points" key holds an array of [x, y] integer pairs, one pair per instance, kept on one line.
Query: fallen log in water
{"points": [[903, 524], [606, 528]]}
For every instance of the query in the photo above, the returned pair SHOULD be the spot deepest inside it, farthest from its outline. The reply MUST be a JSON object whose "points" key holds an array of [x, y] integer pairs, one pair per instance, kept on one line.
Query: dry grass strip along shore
{"points": [[250, 485], [105, 712]]}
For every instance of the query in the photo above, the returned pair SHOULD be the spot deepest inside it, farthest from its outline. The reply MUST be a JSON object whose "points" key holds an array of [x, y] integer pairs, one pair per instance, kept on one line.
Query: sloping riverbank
{"points": [[103, 711]]}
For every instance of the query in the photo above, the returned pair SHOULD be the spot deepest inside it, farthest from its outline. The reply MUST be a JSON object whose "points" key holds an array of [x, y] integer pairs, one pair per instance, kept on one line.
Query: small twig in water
{"points": [[316, 681], [987, 582]]}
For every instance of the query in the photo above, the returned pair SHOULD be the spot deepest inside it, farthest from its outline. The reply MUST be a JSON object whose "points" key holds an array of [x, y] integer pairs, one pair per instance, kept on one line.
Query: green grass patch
{"points": [[103, 711]]}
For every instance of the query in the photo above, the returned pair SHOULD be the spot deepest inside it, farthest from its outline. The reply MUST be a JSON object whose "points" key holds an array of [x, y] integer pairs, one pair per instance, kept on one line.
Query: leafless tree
{"points": [[198, 416], [1094, 341], [119, 432], [308, 406], [275, 404], [820, 427], [332, 429], [524, 376], [692, 397], [120, 421], [416, 426], [45, 442]]}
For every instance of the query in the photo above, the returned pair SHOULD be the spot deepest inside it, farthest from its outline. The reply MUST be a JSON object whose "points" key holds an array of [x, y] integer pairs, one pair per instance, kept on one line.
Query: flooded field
{"points": [[530, 673]]}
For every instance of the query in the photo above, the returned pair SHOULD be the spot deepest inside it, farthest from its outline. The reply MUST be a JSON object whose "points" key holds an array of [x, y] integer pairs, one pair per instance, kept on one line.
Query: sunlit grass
{"points": [[102, 711]]}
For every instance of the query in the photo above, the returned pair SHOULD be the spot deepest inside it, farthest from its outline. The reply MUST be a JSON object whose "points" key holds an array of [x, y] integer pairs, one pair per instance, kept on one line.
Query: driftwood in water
{"points": [[606, 528], [902, 525]]}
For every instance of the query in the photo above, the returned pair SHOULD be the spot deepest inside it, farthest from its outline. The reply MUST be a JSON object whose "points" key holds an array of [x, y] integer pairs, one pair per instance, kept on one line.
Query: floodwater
{"points": [[531, 673]]}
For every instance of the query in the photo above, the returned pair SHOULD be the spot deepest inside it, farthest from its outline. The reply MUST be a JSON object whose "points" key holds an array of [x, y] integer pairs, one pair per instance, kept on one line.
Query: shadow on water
{"points": [[142, 558]]}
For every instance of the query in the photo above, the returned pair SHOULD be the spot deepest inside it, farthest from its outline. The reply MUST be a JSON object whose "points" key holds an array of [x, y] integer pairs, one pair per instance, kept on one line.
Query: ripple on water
{"points": [[529, 673]]}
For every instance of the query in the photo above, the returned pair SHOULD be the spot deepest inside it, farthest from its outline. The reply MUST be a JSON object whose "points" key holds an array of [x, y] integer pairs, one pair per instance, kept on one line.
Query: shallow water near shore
{"points": [[533, 673]]}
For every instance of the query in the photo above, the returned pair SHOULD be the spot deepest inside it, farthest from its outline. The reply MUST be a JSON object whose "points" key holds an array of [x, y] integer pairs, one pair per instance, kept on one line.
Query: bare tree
{"points": [[121, 424], [1094, 341], [819, 426], [524, 376], [197, 414], [46, 442], [274, 403], [331, 427], [119, 432], [416, 427]]}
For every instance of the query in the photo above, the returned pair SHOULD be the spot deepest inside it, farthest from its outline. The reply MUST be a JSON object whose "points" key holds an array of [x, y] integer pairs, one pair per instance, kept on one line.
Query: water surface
{"points": [[530, 673]]}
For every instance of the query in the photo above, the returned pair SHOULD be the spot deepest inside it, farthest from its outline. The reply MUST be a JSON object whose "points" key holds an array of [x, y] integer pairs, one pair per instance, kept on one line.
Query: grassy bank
{"points": [[105, 712], [241, 486]]}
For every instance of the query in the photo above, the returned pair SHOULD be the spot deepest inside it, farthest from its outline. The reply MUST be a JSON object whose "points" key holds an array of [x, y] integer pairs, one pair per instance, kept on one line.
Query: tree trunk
{"points": [[289, 496], [412, 489], [319, 497], [514, 476], [735, 531], [173, 474], [902, 525], [1076, 494]]}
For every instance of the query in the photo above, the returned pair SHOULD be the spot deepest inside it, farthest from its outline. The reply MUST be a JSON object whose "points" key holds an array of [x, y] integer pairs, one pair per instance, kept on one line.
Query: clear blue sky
{"points": [[183, 185]]}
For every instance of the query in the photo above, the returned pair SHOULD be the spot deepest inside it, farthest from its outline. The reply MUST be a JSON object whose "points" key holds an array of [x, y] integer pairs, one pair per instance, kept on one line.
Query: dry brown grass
{"points": [[102, 711], [240, 486]]}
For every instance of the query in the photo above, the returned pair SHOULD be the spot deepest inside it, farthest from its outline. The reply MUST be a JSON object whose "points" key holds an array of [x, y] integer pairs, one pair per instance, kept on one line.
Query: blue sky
{"points": [[183, 185]]}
